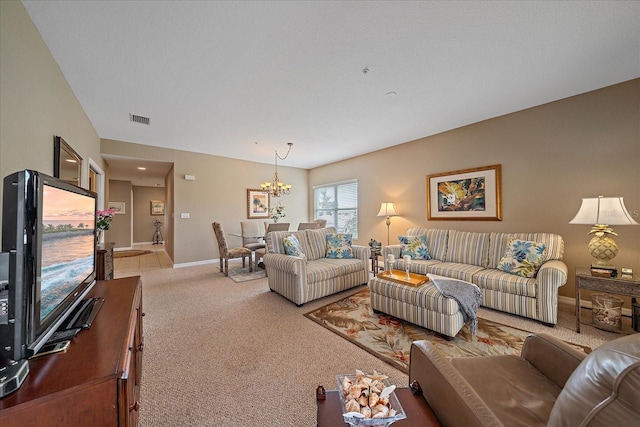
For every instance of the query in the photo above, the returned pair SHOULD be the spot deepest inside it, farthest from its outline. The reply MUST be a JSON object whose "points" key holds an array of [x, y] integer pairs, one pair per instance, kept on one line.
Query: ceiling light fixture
{"points": [[142, 168], [275, 187]]}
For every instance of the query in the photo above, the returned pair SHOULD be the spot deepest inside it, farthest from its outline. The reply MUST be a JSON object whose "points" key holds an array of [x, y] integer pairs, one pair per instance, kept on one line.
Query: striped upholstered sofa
{"points": [[305, 278], [474, 257]]}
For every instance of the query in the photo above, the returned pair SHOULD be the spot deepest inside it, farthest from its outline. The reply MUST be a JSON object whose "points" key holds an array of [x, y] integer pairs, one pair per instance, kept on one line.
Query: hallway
{"points": [[131, 266]]}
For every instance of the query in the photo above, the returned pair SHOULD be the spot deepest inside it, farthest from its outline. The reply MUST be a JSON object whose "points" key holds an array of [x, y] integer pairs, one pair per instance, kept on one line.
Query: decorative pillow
{"points": [[522, 257], [339, 246], [414, 246], [292, 246]]}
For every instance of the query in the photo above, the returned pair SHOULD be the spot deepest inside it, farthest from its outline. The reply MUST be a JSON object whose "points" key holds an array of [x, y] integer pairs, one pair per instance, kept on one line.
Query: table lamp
{"points": [[388, 209], [601, 212]]}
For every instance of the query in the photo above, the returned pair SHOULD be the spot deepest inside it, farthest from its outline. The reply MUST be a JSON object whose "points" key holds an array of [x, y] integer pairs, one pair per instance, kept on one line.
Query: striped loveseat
{"points": [[312, 276], [474, 257]]}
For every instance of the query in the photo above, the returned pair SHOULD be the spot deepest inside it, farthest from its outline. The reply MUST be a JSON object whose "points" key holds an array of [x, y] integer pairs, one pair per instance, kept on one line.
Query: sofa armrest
{"points": [[554, 358], [283, 262], [551, 275], [450, 396], [361, 252]]}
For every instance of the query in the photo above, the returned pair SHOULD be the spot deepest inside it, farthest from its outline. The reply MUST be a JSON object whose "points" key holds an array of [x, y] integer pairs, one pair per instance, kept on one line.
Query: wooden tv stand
{"points": [[96, 382]]}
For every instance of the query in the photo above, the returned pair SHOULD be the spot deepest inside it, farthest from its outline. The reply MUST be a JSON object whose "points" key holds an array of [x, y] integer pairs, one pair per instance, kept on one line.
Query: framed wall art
{"points": [[118, 207], [257, 204], [157, 207], [469, 194]]}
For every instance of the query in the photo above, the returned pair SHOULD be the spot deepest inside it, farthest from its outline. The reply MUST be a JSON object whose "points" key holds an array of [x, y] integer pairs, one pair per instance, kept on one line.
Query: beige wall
{"points": [[37, 102], [219, 193], [551, 157], [143, 221], [120, 231]]}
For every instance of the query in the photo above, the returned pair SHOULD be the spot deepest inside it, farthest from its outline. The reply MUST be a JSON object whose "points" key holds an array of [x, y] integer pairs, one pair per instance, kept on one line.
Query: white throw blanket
{"points": [[467, 295]]}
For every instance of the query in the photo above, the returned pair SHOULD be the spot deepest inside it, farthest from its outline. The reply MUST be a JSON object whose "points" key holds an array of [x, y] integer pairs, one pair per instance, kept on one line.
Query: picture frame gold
{"points": [[468, 194], [157, 207], [258, 203]]}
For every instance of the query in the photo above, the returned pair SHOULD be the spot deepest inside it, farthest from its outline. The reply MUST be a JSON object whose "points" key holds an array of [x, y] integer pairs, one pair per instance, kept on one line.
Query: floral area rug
{"points": [[389, 338]]}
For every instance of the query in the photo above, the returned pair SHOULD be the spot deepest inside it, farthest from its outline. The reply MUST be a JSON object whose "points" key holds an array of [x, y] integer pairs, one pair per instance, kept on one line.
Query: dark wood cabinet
{"points": [[96, 381], [104, 261]]}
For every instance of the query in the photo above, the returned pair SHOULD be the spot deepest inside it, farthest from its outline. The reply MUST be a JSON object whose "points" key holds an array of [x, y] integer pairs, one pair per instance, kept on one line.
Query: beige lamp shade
{"points": [[387, 209], [604, 211]]}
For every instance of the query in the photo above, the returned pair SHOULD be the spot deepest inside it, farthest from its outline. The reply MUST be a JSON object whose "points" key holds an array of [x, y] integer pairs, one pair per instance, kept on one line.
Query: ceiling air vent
{"points": [[140, 119]]}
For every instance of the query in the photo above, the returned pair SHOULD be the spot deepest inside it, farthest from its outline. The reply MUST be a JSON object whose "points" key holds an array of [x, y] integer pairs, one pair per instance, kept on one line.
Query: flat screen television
{"points": [[48, 231]]}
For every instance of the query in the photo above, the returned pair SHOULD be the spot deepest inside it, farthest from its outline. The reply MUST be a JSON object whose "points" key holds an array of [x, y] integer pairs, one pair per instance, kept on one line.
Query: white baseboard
{"points": [[587, 304], [193, 264]]}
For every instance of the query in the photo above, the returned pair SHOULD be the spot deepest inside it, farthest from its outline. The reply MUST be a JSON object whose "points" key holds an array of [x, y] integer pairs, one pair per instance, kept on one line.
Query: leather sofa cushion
{"points": [[516, 392], [604, 389]]}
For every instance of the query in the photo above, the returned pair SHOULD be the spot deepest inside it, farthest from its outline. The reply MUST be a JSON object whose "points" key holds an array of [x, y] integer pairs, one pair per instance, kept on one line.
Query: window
{"points": [[338, 204]]}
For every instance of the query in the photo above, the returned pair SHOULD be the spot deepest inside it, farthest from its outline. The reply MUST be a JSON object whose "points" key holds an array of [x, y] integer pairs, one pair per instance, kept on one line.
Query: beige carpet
{"points": [[219, 354]]}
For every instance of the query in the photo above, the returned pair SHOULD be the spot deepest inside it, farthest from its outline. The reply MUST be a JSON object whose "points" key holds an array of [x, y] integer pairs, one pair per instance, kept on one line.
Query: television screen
{"points": [[68, 256]]}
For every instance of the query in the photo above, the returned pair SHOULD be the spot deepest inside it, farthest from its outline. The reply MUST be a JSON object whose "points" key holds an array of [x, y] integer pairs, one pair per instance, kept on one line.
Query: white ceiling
{"points": [[241, 79]]}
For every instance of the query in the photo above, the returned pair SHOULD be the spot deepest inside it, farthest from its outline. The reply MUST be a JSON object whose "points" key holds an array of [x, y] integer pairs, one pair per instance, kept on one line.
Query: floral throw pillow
{"points": [[414, 246], [339, 246], [292, 246], [522, 257]]}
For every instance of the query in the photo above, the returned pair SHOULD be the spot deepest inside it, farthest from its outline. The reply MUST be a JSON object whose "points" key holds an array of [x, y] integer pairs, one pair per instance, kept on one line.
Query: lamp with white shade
{"points": [[388, 209], [602, 212]]}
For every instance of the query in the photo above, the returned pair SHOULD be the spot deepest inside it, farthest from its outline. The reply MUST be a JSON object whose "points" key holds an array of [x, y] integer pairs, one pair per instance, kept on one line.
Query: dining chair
{"points": [[269, 227], [252, 237], [322, 223], [227, 253], [308, 225]]}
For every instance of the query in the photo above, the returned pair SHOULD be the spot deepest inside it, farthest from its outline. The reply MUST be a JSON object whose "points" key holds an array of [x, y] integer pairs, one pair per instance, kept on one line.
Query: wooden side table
{"points": [[614, 285], [418, 411], [104, 261], [374, 261]]}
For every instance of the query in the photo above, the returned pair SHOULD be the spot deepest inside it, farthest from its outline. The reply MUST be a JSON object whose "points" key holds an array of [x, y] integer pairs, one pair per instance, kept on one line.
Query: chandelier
{"points": [[276, 188]]}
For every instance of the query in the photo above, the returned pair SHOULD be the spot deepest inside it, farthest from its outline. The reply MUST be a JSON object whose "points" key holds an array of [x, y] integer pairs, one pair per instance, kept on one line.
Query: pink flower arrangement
{"points": [[104, 219]]}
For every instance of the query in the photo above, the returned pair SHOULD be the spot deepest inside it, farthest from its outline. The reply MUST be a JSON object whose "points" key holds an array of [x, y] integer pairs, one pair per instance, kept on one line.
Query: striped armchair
{"points": [[474, 257], [305, 278]]}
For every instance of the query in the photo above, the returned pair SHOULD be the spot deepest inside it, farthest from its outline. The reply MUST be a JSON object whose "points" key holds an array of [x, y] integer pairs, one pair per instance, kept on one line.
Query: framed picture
{"points": [[470, 194], [118, 208], [157, 207], [257, 204]]}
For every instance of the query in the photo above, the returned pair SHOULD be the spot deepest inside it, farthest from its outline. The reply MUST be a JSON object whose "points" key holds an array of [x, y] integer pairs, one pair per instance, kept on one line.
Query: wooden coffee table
{"points": [[418, 411]]}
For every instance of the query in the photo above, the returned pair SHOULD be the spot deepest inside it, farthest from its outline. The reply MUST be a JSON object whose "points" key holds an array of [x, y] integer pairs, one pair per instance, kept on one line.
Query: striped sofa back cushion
{"points": [[436, 240], [317, 242], [498, 243], [467, 247]]}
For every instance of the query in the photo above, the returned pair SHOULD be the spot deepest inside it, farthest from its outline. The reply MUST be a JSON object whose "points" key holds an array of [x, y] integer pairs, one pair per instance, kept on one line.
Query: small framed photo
{"points": [[257, 204], [157, 207], [118, 208], [469, 194]]}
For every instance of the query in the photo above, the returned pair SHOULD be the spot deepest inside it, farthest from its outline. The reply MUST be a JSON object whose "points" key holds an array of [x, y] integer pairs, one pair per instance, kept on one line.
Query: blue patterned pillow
{"points": [[414, 246], [522, 257], [339, 246], [292, 246]]}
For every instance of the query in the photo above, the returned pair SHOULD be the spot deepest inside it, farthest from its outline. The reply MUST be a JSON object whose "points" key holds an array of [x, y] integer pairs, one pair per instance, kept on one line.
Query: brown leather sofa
{"points": [[551, 383]]}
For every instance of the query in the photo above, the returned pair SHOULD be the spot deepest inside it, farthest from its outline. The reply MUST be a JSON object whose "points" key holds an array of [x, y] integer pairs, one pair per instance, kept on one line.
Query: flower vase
{"points": [[99, 236]]}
